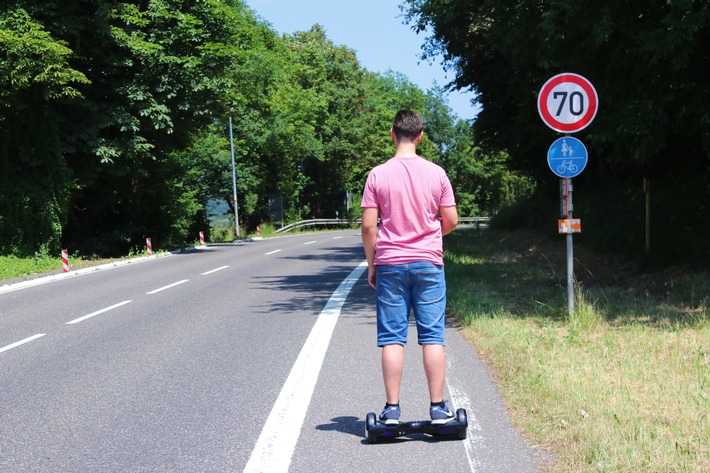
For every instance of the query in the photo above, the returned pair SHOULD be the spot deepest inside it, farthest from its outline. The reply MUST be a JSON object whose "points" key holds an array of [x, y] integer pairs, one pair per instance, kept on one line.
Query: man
{"points": [[415, 203]]}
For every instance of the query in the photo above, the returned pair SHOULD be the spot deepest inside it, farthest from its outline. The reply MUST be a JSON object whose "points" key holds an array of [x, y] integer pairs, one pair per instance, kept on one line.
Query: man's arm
{"points": [[369, 238], [449, 219]]}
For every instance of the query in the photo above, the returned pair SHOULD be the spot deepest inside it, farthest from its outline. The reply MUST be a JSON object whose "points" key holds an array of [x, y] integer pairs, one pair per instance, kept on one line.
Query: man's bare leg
{"points": [[392, 368], [435, 369]]}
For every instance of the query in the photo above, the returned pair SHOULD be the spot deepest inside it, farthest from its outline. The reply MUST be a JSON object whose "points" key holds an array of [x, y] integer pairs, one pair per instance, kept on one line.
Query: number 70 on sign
{"points": [[567, 102]]}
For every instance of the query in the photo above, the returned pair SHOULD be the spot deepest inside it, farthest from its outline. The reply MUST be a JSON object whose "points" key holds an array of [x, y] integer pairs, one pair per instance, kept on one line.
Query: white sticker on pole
{"points": [[567, 102]]}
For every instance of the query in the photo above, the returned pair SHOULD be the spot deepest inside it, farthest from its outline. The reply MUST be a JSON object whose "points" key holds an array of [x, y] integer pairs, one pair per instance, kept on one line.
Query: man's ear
{"points": [[419, 138], [394, 137]]}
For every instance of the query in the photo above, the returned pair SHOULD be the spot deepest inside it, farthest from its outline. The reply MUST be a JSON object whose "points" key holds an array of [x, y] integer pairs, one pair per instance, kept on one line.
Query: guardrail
{"points": [[319, 221], [476, 221]]}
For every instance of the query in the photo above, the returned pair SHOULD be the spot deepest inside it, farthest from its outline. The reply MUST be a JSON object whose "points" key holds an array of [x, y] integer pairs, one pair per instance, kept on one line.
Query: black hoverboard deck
{"points": [[376, 431]]}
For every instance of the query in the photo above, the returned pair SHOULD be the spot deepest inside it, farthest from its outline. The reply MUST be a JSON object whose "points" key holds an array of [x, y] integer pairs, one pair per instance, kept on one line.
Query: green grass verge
{"points": [[622, 385], [12, 267]]}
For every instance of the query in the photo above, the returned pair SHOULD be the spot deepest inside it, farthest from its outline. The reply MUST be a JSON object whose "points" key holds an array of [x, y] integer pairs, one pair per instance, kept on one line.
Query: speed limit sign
{"points": [[567, 102]]}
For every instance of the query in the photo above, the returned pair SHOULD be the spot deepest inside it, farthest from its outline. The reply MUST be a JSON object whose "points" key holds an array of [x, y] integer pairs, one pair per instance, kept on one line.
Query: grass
{"points": [[12, 266], [622, 384]]}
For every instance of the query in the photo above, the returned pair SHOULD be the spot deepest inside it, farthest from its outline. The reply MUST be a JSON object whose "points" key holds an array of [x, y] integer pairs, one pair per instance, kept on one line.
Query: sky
{"points": [[375, 30]]}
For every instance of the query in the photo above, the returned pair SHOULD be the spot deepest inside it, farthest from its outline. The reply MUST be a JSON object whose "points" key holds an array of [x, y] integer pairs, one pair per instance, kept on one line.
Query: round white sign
{"points": [[567, 102]]}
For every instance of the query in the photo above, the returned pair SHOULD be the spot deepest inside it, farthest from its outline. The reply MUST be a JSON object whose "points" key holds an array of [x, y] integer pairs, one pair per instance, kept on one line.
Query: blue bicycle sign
{"points": [[567, 157]]}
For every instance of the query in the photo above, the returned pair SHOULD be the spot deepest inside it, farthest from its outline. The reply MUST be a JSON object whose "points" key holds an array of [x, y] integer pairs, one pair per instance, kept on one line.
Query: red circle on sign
{"points": [[588, 114]]}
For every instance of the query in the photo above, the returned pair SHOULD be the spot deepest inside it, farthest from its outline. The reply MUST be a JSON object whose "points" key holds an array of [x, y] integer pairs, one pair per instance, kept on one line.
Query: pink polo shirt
{"points": [[408, 192]]}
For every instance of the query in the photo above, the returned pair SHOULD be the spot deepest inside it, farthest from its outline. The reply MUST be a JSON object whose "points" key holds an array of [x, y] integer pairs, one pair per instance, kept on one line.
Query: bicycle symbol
{"points": [[567, 166]]}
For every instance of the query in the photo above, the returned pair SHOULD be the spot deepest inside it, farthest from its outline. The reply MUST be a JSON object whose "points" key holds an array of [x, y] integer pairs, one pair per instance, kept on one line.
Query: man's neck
{"points": [[406, 149]]}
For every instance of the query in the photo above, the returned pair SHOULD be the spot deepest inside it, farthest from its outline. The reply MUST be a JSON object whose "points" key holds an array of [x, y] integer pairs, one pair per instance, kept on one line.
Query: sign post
{"points": [[567, 103]]}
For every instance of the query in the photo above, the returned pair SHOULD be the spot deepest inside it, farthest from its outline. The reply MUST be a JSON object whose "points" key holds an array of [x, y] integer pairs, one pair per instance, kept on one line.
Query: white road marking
{"points": [[474, 436], [22, 342], [310, 242], [276, 444], [272, 252], [337, 238], [215, 270], [76, 321], [167, 287]]}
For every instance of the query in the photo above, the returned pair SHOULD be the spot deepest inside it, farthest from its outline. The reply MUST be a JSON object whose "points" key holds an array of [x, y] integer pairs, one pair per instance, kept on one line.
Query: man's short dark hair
{"points": [[407, 125]]}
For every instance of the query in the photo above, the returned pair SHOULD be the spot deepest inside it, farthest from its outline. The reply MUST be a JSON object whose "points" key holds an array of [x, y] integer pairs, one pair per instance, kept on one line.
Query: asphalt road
{"points": [[253, 356]]}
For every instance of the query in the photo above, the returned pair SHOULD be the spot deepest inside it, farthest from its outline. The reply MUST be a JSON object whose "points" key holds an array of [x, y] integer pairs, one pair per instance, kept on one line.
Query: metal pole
{"points": [[570, 275], [647, 190], [570, 254], [234, 181]]}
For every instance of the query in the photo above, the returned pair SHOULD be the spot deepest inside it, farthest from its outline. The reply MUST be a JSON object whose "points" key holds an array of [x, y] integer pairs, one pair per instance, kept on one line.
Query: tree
{"points": [[157, 72], [35, 181], [644, 57], [385, 94], [648, 61], [127, 104], [324, 106]]}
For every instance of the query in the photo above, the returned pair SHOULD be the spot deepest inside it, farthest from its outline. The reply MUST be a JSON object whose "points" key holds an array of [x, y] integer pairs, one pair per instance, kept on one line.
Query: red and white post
{"points": [[202, 239], [258, 231], [149, 246], [65, 261]]}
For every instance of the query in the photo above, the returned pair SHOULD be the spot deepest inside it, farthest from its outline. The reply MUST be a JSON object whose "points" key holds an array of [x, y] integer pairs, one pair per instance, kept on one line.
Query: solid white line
{"points": [[272, 252], [167, 287], [474, 437], [274, 449], [76, 321], [310, 242], [22, 342], [215, 270]]}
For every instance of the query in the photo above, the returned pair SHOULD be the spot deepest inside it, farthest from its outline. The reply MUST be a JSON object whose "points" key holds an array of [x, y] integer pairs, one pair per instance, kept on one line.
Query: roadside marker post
{"points": [[567, 103], [149, 246], [65, 261]]}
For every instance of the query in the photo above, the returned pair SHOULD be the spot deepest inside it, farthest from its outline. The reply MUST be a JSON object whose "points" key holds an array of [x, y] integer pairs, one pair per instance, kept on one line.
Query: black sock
{"points": [[438, 404], [387, 404]]}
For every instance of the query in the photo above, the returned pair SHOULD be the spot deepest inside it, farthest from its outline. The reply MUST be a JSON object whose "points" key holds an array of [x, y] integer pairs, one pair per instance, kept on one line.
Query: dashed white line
{"points": [[271, 252], [76, 321], [276, 444], [21, 342], [215, 270], [310, 242], [337, 238], [167, 287]]}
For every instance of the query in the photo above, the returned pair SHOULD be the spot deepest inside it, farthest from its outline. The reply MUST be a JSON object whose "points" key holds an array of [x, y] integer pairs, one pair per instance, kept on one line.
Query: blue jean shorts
{"points": [[418, 287]]}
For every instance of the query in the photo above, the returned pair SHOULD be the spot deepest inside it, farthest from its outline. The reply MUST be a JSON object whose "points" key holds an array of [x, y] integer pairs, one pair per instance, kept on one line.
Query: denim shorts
{"points": [[419, 287]]}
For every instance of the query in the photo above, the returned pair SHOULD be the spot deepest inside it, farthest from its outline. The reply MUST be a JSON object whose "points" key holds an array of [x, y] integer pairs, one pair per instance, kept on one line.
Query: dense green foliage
{"points": [[114, 124], [648, 60]]}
